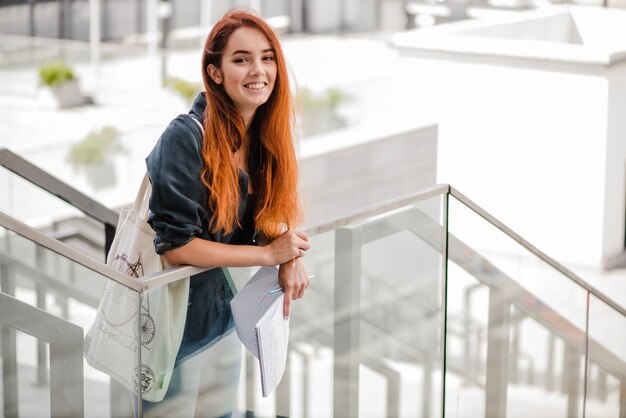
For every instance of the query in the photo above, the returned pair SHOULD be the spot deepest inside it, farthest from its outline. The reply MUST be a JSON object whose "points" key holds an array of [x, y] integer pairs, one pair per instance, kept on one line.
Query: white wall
{"points": [[526, 144], [348, 170], [615, 177], [533, 131]]}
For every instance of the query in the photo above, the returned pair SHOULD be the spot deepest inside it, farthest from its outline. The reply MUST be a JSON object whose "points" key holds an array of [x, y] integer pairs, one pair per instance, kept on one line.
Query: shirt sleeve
{"points": [[178, 203]]}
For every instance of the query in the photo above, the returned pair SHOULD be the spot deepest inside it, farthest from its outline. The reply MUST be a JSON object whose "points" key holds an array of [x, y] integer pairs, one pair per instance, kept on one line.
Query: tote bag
{"points": [[112, 341]]}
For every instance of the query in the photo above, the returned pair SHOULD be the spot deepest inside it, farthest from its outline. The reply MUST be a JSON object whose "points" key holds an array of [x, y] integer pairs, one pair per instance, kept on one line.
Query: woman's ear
{"points": [[214, 73]]}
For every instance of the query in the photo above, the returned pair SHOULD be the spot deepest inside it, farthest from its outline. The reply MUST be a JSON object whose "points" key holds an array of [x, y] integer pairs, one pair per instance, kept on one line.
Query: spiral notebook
{"points": [[258, 315]]}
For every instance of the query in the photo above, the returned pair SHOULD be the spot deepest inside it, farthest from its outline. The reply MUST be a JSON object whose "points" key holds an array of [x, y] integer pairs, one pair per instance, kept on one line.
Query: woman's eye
{"points": [[268, 58], [240, 60]]}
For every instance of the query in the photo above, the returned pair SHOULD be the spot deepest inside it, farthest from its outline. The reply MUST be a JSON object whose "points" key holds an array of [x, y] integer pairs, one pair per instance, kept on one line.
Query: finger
{"points": [[286, 305], [301, 292], [302, 235]]}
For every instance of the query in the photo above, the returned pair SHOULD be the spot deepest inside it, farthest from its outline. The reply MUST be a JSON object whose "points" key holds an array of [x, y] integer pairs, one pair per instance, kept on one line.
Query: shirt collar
{"points": [[198, 106]]}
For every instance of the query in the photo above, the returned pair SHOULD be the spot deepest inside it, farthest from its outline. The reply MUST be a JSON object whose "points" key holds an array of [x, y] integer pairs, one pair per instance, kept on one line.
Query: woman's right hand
{"points": [[287, 246]]}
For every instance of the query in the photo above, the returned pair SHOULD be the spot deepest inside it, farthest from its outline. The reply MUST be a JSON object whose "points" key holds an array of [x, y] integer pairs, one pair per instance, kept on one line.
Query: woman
{"points": [[224, 193]]}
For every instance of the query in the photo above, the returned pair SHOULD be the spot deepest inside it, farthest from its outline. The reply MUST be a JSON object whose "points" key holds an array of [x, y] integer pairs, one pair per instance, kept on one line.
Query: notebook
{"points": [[258, 314]]}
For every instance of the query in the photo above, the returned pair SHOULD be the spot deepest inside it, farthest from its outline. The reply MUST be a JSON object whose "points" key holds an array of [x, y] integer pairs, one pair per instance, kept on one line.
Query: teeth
{"points": [[255, 86]]}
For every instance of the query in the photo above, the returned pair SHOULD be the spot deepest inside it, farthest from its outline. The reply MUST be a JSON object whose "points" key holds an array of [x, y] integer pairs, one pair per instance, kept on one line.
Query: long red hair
{"points": [[276, 184]]}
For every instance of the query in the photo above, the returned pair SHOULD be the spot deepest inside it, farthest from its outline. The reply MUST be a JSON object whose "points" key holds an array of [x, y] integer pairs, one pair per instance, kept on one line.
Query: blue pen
{"points": [[279, 289]]}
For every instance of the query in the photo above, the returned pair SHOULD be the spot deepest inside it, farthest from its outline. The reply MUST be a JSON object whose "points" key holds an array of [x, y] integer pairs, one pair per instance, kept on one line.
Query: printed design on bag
{"points": [[122, 264], [119, 304], [147, 379], [148, 328]]}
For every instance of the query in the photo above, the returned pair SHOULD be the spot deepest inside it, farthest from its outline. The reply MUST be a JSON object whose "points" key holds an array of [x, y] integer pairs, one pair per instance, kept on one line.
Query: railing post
{"points": [[471, 351], [601, 385], [515, 354], [42, 366], [571, 379], [9, 351], [283, 391], [497, 354], [66, 379], [550, 366], [622, 397], [250, 385], [120, 404], [347, 322], [427, 386]]}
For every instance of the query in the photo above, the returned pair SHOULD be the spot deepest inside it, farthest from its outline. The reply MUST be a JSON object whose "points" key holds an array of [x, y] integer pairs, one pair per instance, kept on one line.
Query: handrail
{"points": [[543, 256], [52, 185], [170, 275], [66, 251]]}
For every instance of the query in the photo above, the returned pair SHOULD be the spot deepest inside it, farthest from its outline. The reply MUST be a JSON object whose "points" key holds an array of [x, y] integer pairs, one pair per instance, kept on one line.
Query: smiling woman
{"points": [[224, 194], [248, 74]]}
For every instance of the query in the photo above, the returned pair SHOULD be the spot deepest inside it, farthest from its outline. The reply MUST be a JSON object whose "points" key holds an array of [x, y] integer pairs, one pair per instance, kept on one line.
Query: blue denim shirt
{"points": [[179, 212]]}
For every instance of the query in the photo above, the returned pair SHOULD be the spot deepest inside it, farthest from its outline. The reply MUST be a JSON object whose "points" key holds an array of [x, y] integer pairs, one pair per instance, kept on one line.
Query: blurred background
{"points": [[517, 104]]}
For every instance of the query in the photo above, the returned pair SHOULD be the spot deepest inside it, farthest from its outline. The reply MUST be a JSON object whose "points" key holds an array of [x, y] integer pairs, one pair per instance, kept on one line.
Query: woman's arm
{"points": [[204, 253]]}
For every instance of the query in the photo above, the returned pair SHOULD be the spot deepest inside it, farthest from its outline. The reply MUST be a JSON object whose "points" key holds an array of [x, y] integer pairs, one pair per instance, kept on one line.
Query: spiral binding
{"points": [[257, 331]]}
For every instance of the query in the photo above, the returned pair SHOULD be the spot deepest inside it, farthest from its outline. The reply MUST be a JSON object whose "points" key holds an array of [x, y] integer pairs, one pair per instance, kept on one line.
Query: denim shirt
{"points": [[179, 212]]}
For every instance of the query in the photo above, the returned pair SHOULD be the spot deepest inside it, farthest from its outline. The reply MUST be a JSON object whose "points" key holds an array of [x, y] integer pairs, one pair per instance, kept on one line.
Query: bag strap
{"points": [[140, 206], [198, 122]]}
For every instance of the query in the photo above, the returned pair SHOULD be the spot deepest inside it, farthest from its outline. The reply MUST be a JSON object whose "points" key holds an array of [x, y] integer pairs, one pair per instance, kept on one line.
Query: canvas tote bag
{"points": [[112, 341]]}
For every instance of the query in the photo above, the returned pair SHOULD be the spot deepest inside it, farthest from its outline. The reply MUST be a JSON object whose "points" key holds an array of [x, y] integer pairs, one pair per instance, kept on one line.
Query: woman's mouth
{"points": [[254, 86]]}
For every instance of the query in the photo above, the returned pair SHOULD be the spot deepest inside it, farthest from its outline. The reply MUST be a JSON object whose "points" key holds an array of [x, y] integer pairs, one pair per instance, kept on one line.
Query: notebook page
{"points": [[272, 331], [251, 302]]}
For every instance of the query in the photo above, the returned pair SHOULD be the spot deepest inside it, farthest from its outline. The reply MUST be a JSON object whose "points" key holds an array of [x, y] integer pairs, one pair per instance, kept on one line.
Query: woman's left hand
{"points": [[293, 279]]}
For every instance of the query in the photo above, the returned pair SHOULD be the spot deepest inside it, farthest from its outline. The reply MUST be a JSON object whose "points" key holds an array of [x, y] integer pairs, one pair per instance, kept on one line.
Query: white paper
{"points": [[273, 337], [258, 306]]}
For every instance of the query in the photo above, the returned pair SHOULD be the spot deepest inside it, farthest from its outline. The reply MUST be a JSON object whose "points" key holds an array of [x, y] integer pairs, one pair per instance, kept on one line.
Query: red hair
{"points": [[276, 182]]}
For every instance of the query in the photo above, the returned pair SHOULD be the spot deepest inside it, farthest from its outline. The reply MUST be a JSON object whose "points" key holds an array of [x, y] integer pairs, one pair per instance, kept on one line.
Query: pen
{"points": [[280, 289]]}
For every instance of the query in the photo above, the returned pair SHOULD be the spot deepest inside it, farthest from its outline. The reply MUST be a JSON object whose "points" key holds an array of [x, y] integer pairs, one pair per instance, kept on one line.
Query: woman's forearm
{"points": [[204, 253]]}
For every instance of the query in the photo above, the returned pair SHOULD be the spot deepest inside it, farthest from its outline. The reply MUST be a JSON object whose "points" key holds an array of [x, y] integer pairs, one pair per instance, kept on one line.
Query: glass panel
{"points": [[370, 341], [50, 215], [516, 327], [366, 338], [606, 384], [52, 302]]}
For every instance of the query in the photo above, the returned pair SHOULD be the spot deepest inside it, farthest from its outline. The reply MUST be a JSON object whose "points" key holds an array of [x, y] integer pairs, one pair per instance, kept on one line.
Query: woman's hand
{"points": [[287, 246], [293, 279]]}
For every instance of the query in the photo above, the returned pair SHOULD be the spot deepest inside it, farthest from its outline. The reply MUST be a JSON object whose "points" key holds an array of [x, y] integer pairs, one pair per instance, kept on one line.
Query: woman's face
{"points": [[248, 70]]}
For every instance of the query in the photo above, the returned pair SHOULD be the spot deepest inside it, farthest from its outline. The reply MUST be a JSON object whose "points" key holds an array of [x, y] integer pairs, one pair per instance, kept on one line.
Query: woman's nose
{"points": [[257, 69]]}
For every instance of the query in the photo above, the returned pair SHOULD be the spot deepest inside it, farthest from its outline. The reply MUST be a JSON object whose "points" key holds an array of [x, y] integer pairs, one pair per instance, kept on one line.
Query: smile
{"points": [[255, 86]]}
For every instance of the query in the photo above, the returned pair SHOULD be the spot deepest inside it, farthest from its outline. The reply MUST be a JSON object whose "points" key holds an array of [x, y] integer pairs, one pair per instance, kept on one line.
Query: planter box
{"points": [[62, 95]]}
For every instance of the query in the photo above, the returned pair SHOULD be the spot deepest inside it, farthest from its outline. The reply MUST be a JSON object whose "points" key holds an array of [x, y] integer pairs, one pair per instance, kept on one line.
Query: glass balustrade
{"points": [[516, 327], [606, 368], [366, 339], [48, 302], [423, 310], [39, 209]]}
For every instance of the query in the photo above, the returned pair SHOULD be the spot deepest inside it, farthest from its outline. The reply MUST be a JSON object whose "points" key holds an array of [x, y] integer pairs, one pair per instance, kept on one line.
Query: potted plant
{"points": [[185, 89], [320, 112], [94, 155], [62, 83]]}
